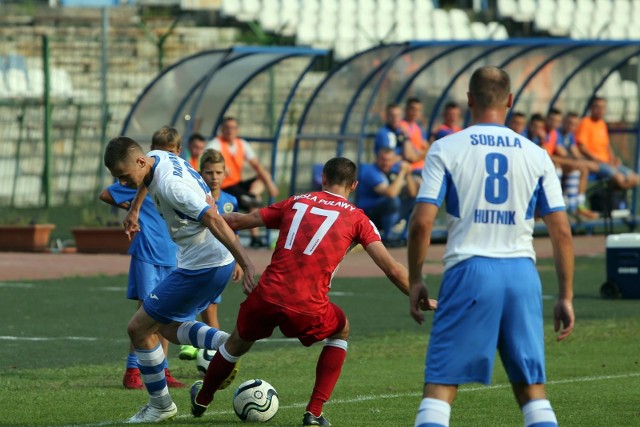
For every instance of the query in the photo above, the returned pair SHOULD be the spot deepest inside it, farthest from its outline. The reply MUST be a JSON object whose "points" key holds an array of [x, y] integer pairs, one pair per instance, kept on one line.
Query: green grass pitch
{"points": [[63, 346]]}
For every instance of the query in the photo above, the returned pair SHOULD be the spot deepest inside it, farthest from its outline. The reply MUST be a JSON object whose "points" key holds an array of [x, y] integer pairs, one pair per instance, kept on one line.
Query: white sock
{"points": [[538, 413], [151, 364], [433, 412]]}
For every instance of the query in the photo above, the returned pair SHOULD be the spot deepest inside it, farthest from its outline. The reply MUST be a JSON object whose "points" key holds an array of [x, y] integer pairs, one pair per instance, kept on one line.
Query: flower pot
{"points": [[25, 238], [92, 240]]}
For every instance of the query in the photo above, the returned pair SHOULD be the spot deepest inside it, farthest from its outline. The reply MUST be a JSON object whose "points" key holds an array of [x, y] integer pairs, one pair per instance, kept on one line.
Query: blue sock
{"points": [[151, 363], [132, 361], [200, 335]]}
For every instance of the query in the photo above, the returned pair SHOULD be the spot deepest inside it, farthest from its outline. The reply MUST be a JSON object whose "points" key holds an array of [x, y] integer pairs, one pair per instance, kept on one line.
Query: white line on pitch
{"points": [[10, 338], [17, 285], [416, 394]]}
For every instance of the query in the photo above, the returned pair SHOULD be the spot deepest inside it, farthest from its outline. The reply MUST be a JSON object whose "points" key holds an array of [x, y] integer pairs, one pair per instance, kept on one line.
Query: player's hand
{"points": [[131, 226], [237, 273], [210, 201], [563, 316], [405, 167], [419, 301], [249, 283]]}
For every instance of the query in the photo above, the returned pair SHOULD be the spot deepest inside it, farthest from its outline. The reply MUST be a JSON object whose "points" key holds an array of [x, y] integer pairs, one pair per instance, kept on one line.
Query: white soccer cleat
{"points": [[151, 414]]}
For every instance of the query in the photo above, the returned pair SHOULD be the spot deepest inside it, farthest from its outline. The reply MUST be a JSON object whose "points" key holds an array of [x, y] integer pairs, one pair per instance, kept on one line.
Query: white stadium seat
{"points": [[230, 7], [543, 20], [526, 10], [16, 81], [479, 31], [507, 8]]}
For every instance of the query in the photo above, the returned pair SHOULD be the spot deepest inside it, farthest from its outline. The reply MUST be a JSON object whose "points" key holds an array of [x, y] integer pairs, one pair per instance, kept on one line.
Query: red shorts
{"points": [[258, 318]]}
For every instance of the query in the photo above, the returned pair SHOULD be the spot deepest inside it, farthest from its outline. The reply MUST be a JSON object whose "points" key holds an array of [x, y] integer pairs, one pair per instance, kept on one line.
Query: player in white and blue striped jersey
{"points": [[493, 182], [206, 250]]}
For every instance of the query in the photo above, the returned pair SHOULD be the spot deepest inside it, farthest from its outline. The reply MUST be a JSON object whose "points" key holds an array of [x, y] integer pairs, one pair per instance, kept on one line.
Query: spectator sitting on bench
{"points": [[573, 173], [592, 137], [394, 136], [386, 193]]}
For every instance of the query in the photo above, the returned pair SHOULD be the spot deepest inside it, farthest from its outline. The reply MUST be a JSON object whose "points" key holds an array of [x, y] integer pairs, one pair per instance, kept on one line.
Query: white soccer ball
{"points": [[203, 359], [255, 400]]}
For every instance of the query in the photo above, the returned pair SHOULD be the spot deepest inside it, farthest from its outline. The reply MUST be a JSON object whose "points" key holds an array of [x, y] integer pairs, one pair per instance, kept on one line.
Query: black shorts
{"points": [[246, 199]]}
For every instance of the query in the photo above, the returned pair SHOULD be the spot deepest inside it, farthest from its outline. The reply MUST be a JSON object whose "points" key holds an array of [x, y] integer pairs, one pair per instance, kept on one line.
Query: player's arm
{"points": [[130, 222], [420, 227], [395, 187], [239, 221], [562, 244], [412, 184], [219, 228], [264, 176], [106, 197], [395, 271]]}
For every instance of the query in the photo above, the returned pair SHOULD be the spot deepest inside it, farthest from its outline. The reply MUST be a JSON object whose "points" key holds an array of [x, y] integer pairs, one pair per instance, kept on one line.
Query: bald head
{"points": [[490, 87]]}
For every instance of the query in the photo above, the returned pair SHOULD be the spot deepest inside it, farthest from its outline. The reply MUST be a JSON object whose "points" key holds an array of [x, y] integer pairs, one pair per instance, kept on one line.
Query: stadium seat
{"points": [[497, 31], [440, 17], [423, 32], [543, 20], [479, 30], [61, 84], [230, 8], [507, 8], [458, 18], [584, 7], [4, 91], [36, 82], [17, 82], [306, 33], [250, 10], [603, 7], [404, 31], [269, 19], [526, 10]]}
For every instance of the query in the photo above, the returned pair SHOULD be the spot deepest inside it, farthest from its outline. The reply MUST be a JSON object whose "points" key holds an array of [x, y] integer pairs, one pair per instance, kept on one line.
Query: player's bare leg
{"points": [[536, 409]]}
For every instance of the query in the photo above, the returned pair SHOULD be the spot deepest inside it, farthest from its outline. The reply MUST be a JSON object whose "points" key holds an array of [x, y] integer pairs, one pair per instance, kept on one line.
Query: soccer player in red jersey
{"points": [[316, 232]]}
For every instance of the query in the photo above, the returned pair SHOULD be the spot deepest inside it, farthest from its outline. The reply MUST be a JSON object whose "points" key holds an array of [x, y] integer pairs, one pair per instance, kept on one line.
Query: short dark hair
{"points": [[340, 171], [226, 119], [196, 137], [490, 86], [572, 114], [536, 117], [166, 138], [391, 105], [412, 100], [554, 111], [450, 105], [518, 114], [211, 156], [119, 150]]}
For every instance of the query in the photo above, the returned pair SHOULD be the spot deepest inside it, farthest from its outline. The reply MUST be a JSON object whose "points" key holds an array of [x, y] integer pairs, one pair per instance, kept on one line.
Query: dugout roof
{"points": [[348, 105], [194, 94]]}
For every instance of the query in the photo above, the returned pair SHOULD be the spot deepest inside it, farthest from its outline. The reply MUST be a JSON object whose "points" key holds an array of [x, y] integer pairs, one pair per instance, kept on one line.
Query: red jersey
{"points": [[316, 231]]}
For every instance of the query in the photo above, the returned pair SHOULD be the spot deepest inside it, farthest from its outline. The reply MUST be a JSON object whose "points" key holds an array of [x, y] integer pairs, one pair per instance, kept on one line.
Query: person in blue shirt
{"points": [[212, 170], [386, 193], [153, 255]]}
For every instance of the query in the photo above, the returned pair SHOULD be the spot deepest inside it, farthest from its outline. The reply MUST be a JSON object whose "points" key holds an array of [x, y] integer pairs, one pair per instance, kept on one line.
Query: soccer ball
{"points": [[203, 359], [255, 400]]}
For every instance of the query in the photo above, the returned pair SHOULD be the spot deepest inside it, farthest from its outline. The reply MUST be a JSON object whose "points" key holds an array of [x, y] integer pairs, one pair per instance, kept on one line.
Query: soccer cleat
{"points": [[311, 420], [257, 242], [197, 410], [232, 376], [172, 382], [187, 352], [151, 414], [132, 379]]}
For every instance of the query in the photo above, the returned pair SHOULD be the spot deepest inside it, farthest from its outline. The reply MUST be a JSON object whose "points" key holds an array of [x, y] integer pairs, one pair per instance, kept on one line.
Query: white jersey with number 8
{"points": [[493, 182]]}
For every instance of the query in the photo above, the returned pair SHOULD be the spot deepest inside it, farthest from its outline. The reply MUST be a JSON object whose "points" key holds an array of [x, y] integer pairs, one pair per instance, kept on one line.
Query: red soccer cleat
{"points": [[172, 382], [132, 379]]}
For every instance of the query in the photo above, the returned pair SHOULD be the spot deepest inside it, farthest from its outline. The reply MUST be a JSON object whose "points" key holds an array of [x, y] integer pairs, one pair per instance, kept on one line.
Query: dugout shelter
{"points": [[347, 107]]}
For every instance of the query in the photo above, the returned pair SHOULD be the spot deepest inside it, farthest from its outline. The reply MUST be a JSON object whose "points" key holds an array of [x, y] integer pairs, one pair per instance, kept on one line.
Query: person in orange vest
{"points": [[195, 148], [236, 151], [415, 132], [592, 137]]}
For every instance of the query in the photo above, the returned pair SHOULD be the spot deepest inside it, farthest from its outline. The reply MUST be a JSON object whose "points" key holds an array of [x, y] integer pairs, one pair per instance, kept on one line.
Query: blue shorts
{"points": [[143, 277], [608, 171], [487, 304], [185, 293]]}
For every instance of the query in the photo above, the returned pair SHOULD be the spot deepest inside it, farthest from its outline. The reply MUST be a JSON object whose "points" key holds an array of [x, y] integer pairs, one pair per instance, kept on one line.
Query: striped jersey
{"points": [[493, 182], [179, 194]]}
